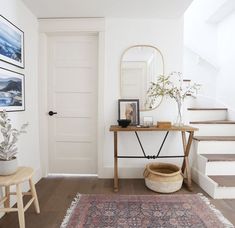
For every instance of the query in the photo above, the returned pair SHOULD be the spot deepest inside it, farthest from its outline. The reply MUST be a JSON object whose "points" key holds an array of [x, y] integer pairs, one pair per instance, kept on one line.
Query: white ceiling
{"points": [[108, 8]]}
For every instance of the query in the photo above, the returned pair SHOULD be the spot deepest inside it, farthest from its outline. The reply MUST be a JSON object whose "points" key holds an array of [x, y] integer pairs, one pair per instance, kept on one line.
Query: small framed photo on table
{"points": [[129, 109]]}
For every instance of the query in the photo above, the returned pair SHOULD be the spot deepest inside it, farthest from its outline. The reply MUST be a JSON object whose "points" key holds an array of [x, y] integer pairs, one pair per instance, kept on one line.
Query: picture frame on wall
{"points": [[12, 91], [11, 43], [129, 109]]}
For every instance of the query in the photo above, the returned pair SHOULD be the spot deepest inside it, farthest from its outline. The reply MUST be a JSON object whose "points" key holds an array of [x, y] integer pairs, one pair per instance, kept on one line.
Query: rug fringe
{"points": [[70, 210], [218, 213]]}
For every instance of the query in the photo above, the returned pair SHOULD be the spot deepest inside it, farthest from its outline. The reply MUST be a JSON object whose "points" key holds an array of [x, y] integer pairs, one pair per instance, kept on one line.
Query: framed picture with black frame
{"points": [[11, 43], [129, 109], [12, 91]]}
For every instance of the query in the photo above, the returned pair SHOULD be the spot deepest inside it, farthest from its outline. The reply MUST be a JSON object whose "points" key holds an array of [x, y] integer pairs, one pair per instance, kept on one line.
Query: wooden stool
{"points": [[23, 174]]}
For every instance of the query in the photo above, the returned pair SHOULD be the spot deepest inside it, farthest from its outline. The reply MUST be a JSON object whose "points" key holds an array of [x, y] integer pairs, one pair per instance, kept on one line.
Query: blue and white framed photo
{"points": [[12, 94], [11, 43]]}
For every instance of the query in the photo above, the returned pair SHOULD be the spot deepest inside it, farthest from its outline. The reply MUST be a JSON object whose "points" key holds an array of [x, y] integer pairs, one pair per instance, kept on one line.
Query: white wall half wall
{"points": [[28, 144], [166, 35], [200, 48], [209, 51], [201, 35], [226, 55], [200, 71], [16, 12]]}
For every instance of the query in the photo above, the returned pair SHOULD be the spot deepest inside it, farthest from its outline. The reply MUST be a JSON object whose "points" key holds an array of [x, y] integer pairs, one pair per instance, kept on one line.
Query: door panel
{"points": [[72, 93], [71, 75], [79, 105]]}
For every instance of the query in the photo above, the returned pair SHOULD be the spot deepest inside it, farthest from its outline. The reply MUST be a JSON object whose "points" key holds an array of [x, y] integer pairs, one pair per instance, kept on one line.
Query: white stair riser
{"points": [[201, 164], [224, 193], [204, 115], [215, 129], [220, 168], [215, 147]]}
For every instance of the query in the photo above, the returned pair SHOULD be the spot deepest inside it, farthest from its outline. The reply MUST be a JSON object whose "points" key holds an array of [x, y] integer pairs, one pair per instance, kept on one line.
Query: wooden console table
{"points": [[186, 148]]}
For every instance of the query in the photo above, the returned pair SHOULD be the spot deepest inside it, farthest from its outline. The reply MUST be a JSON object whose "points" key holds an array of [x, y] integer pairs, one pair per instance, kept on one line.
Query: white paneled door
{"points": [[72, 96]]}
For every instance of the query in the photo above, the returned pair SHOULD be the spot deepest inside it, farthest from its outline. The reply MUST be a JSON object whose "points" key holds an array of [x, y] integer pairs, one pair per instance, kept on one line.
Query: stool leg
{"points": [[7, 194], [34, 194], [20, 206]]}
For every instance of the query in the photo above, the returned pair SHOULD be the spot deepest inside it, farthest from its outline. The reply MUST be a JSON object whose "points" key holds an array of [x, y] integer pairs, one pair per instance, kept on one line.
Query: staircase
{"points": [[213, 152]]}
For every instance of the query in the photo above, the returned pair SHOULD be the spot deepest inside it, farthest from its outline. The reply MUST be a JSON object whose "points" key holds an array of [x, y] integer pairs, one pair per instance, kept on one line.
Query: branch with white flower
{"points": [[166, 86]]}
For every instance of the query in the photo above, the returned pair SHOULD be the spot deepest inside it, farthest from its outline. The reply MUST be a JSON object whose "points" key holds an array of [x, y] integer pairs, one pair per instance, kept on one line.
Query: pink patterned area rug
{"points": [[143, 211]]}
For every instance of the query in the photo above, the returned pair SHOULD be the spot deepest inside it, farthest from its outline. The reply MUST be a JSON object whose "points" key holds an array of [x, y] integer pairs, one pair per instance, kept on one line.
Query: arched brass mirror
{"points": [[140, 65]]}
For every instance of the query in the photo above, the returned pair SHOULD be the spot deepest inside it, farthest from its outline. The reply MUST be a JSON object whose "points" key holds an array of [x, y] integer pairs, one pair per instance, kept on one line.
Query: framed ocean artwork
{"points": [[11, 43], [12, 91]]}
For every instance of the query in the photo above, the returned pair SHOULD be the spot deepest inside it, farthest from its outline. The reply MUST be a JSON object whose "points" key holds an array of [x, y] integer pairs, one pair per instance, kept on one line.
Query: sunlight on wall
{"points": [[209, 48]]}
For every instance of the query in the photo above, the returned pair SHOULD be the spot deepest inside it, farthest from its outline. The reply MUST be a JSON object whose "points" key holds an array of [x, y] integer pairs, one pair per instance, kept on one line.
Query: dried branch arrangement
{"points": [[166, 86]]}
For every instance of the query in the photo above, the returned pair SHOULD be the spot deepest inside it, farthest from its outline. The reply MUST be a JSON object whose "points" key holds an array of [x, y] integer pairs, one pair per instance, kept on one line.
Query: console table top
{"points": [[187, 128]]}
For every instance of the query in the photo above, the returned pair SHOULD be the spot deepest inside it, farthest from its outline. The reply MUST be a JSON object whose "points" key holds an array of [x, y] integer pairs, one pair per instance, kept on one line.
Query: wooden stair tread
{"points": [[213, 122], [224, 181], [207, 109], [219, 157], [214, 138]]}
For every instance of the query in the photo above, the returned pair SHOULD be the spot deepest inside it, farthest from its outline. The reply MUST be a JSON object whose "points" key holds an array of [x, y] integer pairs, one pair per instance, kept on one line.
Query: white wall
{"points": [[226, 53], [28, 144], [200, 47], [200, 71], [200, 35], [167, 35]]}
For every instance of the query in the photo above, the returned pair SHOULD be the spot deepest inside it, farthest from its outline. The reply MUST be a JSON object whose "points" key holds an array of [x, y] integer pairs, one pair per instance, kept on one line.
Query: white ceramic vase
{"points": [[8, 167]]}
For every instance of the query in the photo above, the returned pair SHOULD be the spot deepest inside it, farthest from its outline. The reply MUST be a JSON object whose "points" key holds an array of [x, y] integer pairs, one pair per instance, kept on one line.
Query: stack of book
{"points": [[164, 124]]}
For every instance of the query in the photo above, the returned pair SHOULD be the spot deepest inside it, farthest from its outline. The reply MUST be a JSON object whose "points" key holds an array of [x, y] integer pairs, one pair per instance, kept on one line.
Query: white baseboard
{"points": [[123, 172]]}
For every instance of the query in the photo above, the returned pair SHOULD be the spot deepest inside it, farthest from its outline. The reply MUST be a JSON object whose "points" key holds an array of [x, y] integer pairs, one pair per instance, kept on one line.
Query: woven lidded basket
{"points": [[163, 177]]}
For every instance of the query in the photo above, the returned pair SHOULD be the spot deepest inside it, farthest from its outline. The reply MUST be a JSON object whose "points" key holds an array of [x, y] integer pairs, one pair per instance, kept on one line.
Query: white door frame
{"points": [[57, 26]]}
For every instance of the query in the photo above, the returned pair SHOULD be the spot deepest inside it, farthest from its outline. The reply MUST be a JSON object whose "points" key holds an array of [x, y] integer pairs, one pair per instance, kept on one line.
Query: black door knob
{"points": [[51, 113]]}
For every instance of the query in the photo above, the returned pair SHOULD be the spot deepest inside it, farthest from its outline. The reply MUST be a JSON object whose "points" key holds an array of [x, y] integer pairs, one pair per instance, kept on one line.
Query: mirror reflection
{"points": [[140, 65]]}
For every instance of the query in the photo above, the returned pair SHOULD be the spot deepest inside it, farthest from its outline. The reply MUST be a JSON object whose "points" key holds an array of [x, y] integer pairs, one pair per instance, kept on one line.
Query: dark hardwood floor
{"points": [[56, 194]]}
